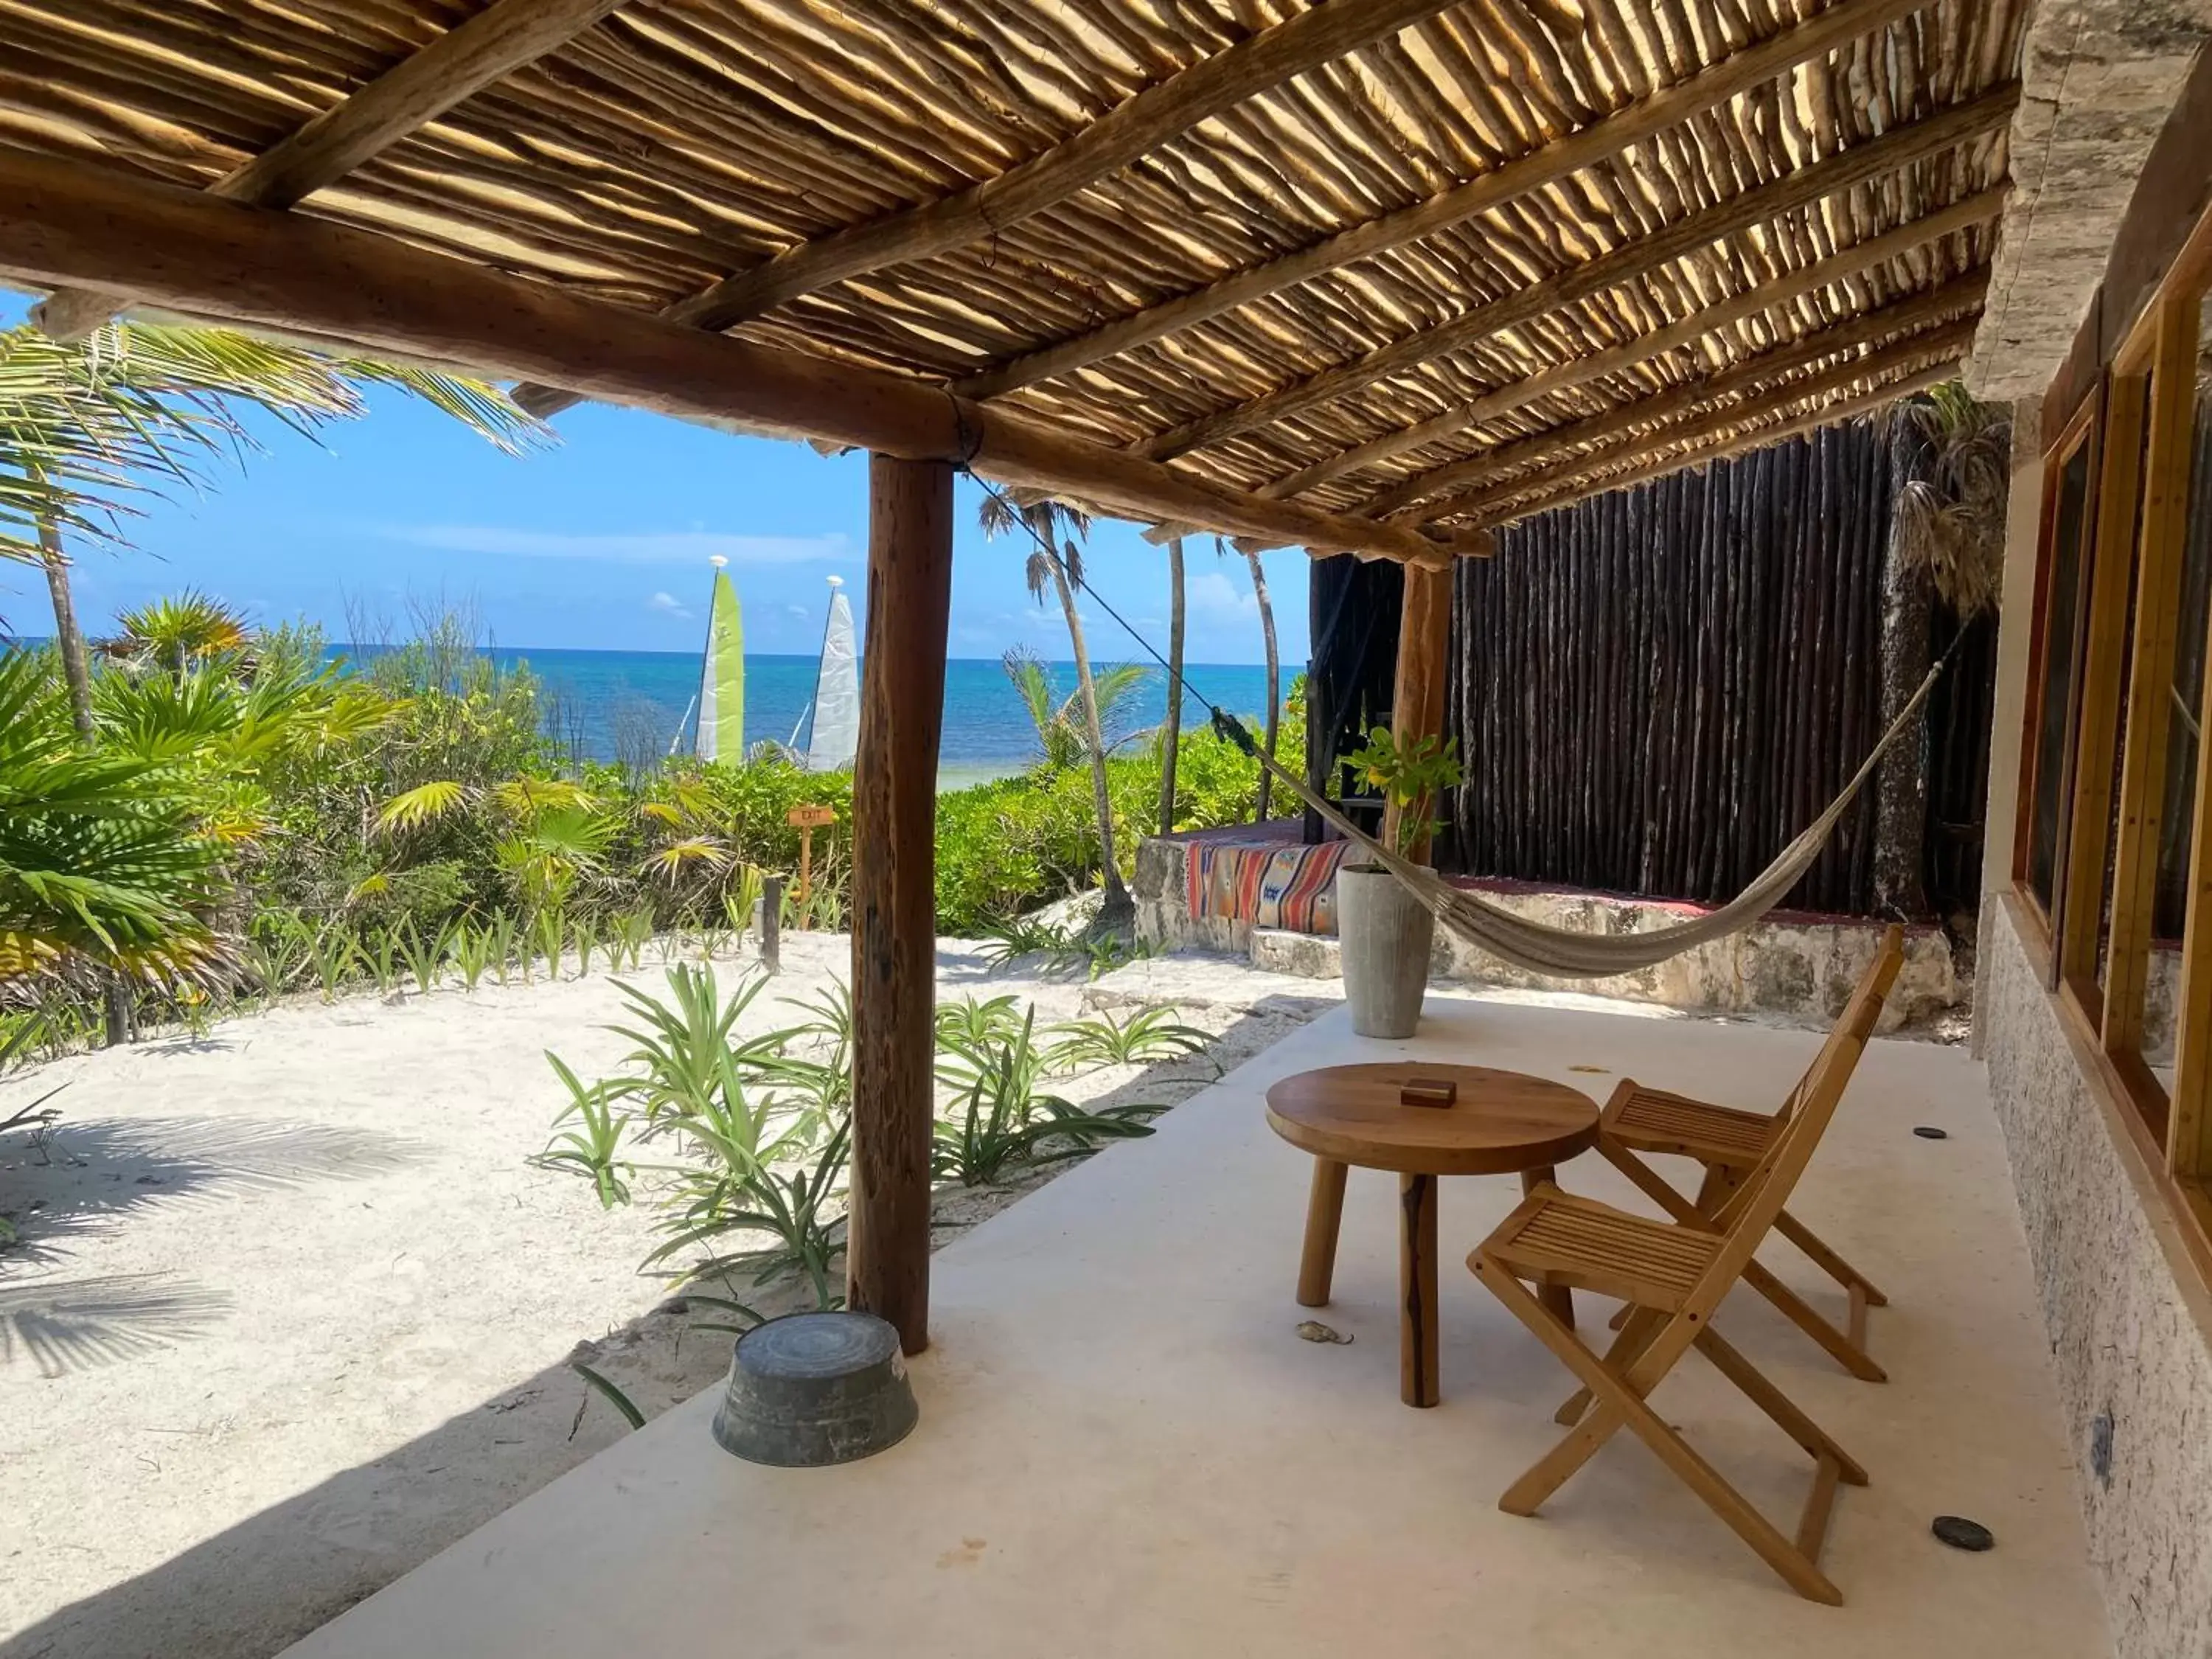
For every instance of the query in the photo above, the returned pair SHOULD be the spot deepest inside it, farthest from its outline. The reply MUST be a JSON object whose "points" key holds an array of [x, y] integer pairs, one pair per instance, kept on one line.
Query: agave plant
{"points": [[1148, 1035], [589, 1150], [1000, 1117], [334, 953]]}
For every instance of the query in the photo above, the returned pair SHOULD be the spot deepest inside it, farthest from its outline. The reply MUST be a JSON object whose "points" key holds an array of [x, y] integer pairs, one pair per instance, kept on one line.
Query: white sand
{"points": [[294, 1311]]}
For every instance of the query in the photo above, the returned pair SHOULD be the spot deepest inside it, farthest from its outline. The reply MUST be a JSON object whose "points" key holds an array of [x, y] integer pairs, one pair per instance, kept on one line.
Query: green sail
{"points": [[722, 677]]}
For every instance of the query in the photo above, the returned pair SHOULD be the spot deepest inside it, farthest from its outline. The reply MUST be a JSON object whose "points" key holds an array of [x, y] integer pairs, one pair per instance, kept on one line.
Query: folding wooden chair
{"points": [[1672, 1274], [1639, 1122]]}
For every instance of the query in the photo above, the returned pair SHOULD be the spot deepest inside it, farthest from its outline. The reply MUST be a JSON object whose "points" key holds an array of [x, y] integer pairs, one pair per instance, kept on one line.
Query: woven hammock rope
{"points": [[1565, 953]]}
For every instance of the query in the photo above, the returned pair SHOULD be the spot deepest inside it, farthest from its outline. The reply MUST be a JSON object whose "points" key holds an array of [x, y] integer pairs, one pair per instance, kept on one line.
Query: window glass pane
{"points": [[2059, 653], [2177, 814]]}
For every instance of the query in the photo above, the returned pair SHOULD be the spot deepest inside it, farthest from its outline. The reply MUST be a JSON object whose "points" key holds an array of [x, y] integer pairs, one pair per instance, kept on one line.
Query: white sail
{"points": [[836, 733]]}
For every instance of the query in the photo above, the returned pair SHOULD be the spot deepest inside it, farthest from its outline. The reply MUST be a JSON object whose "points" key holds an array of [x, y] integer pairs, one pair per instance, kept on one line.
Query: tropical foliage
{"points": [[742, 1142], [249, 819]]}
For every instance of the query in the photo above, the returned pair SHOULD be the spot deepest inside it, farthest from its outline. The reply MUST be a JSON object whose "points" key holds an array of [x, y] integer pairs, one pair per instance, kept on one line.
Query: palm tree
{"points": [[103, 862], [1171, 727], [1057, 565], [1058, 719], [1274, 674], [87, 427]]}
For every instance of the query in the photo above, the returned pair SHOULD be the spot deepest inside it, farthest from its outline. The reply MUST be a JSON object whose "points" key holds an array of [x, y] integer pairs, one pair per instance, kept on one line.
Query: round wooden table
{"points": [[1496, 1123]]}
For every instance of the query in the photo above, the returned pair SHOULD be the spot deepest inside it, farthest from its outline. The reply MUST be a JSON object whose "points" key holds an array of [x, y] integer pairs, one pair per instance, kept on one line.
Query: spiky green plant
{"points": [[590, 1148], [633, 933], [279, 948], [500, 939], [386, 958], [1000, 1117], [584, 935], [471, 953], [335, 955], [425, 954], [546, 930], [968, 1022], [1148, 1035]]}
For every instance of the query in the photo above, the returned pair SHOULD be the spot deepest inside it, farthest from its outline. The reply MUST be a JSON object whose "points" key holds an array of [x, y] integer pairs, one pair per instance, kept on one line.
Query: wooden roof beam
{"points": [[1964, 215], [412, 93], [1895, 150], [67, 223], [1720, 445], [1156, 116], [1839, 24], [1520, 394], [1909, 318], [1665, 414]]}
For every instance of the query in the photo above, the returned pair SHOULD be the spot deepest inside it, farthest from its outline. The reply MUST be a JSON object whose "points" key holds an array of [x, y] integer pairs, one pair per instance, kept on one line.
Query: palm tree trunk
{"points": [[1171, 730], [1274, 676], [1119, 910], [77, 674], [68, 640]]}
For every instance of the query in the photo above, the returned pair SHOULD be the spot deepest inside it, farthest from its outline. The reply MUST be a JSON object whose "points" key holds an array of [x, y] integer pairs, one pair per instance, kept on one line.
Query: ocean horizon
{"points": [[626, 706]]}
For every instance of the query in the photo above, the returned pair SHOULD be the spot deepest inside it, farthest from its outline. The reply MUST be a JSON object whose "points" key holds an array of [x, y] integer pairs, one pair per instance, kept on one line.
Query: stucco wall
{"points": [[2127, 1325], [2098, 78]]}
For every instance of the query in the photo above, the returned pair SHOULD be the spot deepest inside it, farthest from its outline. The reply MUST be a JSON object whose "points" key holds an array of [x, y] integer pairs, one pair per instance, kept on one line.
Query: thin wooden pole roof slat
{"points": [[1346, 254]]}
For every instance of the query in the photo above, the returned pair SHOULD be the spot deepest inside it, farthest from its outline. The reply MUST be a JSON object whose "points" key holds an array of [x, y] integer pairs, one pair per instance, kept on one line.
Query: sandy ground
{"points": [[293, 1311]]}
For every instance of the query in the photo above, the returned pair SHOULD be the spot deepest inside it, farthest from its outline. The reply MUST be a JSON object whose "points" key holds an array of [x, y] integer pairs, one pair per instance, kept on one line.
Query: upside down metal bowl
{"points": [[811, 1389]]}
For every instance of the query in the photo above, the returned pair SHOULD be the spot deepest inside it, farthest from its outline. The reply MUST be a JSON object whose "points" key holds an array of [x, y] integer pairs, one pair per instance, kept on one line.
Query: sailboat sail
{"points": [[837, 728], [722, 732]]}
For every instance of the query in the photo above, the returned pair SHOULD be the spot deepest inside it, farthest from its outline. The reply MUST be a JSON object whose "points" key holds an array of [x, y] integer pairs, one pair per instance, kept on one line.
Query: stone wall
{"points": [[1803, 967], [2131, 1330], [2098, 78]]}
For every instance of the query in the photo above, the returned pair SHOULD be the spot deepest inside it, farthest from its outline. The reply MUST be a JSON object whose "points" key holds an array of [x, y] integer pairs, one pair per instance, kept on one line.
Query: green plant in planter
{"points": [[1410, 775]]}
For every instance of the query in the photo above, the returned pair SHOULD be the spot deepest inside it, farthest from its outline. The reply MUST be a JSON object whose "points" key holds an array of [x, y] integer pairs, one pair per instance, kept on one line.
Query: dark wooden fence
{"points": [[1654, 690]]}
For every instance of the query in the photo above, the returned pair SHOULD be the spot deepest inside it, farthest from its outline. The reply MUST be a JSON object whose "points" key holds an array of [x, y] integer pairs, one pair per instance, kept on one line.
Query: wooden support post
{"points": [[1416, 697], [894, 890]]}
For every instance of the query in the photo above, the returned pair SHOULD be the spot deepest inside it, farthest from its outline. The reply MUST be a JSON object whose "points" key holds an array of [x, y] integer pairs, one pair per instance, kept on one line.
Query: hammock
{"points": [[1565, 954], [1557, 951]]}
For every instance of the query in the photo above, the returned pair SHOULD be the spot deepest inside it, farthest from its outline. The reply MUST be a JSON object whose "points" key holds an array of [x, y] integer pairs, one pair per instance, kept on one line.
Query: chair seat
{"points": [[1653, 1120], [1556, 1238]]}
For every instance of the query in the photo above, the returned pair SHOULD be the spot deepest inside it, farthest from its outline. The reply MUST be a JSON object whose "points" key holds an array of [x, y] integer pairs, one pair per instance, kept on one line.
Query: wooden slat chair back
{"points": [[1674, 1275], [1639, 1122]]}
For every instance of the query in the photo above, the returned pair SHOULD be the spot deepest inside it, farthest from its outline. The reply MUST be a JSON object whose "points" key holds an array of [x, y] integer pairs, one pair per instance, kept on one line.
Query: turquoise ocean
{"points": [[616, 705]]}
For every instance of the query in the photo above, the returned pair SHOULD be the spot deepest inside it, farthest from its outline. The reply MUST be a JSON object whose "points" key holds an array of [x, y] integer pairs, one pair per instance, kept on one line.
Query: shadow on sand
{"points": [[265, 1581]]}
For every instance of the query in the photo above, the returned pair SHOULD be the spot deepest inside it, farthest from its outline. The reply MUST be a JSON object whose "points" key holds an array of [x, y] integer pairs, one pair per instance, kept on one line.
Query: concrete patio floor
{"points": [[1125, 1450]]}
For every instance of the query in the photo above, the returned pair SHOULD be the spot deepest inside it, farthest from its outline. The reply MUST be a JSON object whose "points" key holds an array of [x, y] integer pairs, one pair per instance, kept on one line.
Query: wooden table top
{"points": [[1500, 1122]]}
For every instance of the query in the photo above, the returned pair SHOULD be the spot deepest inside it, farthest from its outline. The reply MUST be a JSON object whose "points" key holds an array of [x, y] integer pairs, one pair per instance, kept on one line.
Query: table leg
{"points": [[1556, 1297], [1324, 1214], [1417, 1287]]}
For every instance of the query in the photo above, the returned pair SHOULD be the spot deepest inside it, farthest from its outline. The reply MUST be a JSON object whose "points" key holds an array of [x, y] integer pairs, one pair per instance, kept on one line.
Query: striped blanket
{"points": [[1268, 882]]}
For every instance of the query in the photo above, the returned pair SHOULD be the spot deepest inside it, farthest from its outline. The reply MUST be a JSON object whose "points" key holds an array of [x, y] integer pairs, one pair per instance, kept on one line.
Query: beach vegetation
{"points": [[256, 819]]}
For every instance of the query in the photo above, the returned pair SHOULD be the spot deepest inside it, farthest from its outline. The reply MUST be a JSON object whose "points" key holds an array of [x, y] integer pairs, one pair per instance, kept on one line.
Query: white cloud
{"points": [[667, 602], [620, 547], [1212, 596], [796, 610]]}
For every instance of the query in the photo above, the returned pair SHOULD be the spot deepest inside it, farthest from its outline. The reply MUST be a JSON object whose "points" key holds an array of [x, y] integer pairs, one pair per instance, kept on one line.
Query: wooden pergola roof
{"points": [[1374, 274]]}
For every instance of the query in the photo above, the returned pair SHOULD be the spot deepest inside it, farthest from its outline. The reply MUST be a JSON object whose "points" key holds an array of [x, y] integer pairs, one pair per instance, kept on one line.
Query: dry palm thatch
{"points": [[1949, 520], [1331, 250]]}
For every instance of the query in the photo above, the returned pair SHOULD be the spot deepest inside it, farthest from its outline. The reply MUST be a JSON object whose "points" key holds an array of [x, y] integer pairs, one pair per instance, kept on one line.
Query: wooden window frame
{"points": [[2141, 417], [2099, 675], [2080, 430]]}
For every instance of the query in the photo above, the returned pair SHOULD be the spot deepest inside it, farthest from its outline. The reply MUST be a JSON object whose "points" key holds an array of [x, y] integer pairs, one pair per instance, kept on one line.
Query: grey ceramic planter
{"points": [[1384, 933]]}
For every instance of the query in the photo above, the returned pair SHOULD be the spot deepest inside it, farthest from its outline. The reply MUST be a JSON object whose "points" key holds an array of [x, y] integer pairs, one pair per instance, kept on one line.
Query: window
{"points": [[2069, 522], [2115, 812]]}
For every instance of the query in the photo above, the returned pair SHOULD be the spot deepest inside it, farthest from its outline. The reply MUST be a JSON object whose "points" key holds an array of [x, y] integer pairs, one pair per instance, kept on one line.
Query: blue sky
{"points": [[602, 542]]}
